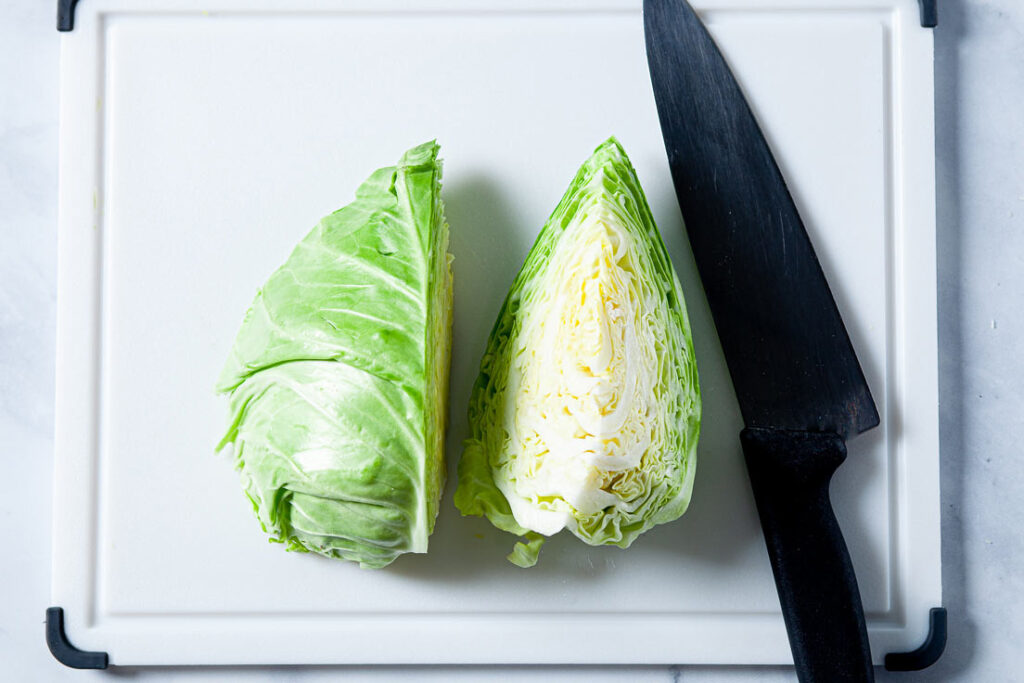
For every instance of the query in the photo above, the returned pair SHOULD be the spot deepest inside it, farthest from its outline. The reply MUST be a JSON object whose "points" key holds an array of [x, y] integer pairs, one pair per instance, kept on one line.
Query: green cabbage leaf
{"points": [[338, 377], [586, 412]]}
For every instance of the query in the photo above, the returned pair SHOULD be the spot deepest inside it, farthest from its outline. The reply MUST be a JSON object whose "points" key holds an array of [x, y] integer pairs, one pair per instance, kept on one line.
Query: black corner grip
{"points": [[929, 13], [66, 15], [64, 652], [930, 650]]}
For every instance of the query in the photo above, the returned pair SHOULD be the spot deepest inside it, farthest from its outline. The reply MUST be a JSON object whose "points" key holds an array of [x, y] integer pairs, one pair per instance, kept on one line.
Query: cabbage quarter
{"points": [[338, 379], [586, 412]]}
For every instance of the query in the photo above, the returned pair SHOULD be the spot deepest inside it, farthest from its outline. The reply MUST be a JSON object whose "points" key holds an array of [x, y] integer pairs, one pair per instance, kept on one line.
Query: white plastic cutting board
{"points": [[201, 140]]}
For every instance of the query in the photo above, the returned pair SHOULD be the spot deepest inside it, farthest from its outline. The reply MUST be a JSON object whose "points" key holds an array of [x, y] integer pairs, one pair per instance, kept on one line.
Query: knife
{"points": [[801, 390]]}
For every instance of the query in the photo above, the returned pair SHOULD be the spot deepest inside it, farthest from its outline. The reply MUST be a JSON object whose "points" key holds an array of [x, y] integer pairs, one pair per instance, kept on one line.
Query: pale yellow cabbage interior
{"points": [[582, 408]]}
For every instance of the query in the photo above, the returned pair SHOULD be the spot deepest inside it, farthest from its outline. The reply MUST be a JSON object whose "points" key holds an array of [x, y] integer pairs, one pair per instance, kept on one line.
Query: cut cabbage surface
{"points": [[586, 412]]}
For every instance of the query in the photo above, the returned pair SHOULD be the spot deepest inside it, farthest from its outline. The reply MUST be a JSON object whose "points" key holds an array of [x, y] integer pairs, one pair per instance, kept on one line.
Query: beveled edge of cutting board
{"points": [[66, 14]]}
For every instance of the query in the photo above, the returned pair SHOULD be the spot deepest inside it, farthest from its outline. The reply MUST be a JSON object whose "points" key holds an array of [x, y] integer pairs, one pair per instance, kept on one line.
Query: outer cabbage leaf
{"points": [[586, 412], [338, 378]]}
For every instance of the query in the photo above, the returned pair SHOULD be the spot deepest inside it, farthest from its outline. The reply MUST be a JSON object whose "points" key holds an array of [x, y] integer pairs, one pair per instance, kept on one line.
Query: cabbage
{"points": [[338, 378], [586, 411]]}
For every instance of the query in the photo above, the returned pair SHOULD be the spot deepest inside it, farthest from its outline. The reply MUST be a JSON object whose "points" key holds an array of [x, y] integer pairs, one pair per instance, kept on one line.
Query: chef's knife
{"points": [[800, 387]]}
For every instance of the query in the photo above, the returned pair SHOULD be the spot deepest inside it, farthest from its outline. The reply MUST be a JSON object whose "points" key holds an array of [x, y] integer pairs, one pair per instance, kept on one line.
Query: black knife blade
{"points": [[789, 354], [800, 387]]}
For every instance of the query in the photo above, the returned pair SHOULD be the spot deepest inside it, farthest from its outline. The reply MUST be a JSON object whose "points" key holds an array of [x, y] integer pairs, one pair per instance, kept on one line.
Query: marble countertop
{"points": [[980, 154]]}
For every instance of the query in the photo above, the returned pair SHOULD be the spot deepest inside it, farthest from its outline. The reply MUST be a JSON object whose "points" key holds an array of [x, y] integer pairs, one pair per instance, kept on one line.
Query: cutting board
{"points": [[201, 140]]}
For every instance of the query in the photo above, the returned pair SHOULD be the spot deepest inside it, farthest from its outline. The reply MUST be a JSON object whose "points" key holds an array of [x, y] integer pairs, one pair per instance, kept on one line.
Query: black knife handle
{"points": [[790, 473]]}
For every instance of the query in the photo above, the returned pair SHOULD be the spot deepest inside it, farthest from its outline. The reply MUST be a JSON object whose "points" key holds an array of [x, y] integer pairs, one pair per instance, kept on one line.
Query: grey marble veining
{"points": [[980, 151]]}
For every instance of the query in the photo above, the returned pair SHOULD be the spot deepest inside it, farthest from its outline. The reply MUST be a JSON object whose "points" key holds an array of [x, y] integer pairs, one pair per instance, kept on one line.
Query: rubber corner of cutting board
{"points": [[929, 652], [66, 15], [62, 649], [929, 13]]}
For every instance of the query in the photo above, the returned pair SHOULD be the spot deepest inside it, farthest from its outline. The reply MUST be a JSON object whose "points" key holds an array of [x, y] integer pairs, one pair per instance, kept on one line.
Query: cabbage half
{"points": [[338, 378], [586, 412]]}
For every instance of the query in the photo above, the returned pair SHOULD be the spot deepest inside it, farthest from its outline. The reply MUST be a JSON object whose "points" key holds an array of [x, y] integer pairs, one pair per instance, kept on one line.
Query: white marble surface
{"points": [[980, 149]]}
